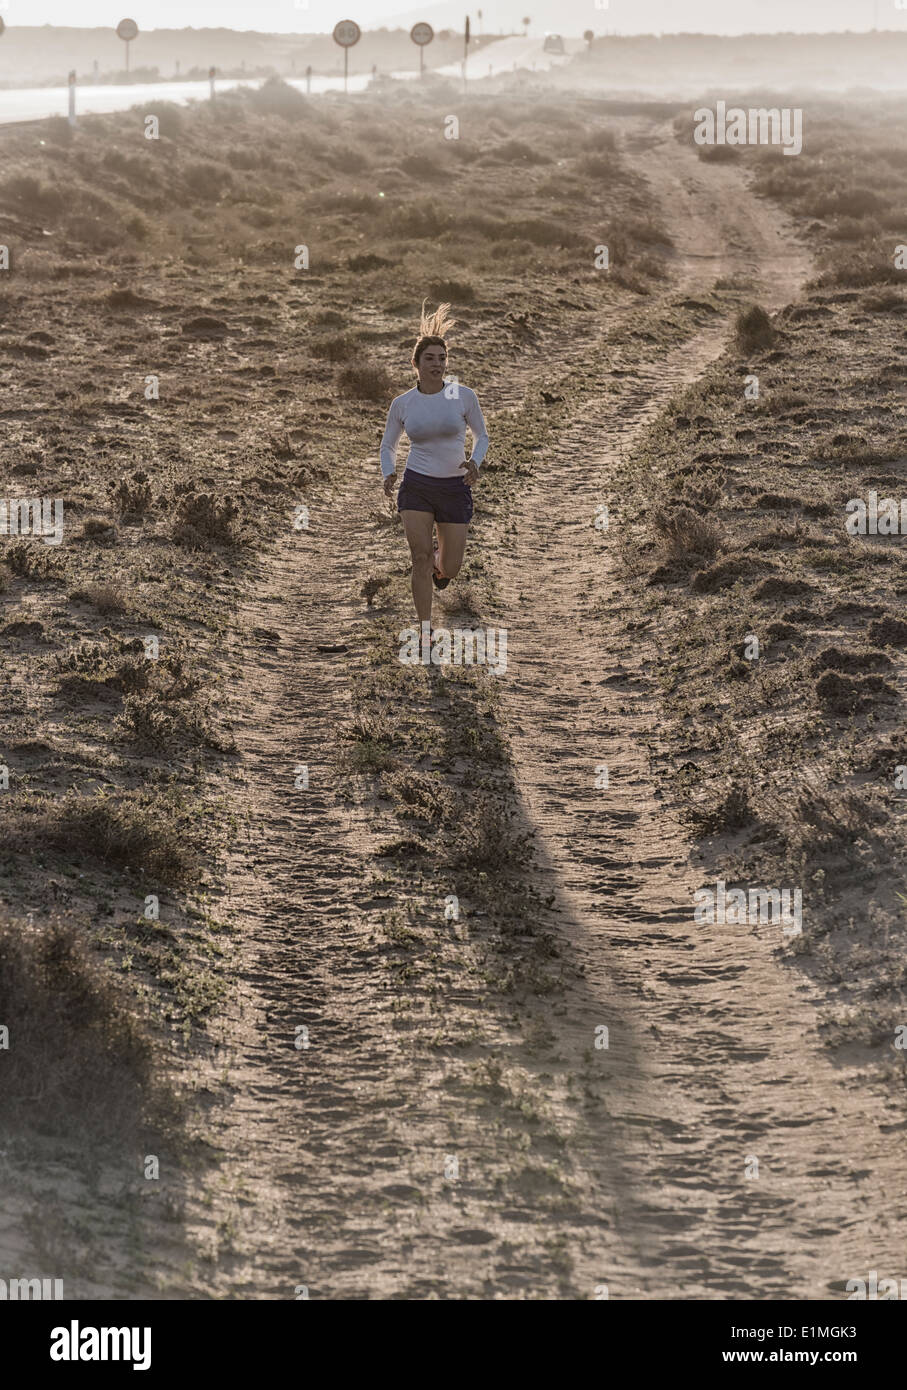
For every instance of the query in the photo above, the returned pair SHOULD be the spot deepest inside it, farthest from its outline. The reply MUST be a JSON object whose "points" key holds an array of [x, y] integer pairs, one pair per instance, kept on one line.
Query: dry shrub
{"points": [[95, 527], [540, 231], [140, 831], [106, 598], [157, 726], [861, 271], [34, 198], [209, 181], [452, 291], [841, 694], [95, 233], [365, 383], [361, 264], [170, 118], [418, 795], [725, 574], [717, 154], [685, 538], [277, 98], [422, 166], [828, 829], [133, 495], [888, 631], [887, 302], [754, 329], [849, 202], [371, 725], [776, 587], [731, 812], [517, 152], [79, 1061], [373, 586], [335, 348], [483, 837], [58, 130], [86, 658], [853, 662], [597, 166], [34, 560], [420, 218], [848, 229], [202, 520], [131, 677], [599, 140]]}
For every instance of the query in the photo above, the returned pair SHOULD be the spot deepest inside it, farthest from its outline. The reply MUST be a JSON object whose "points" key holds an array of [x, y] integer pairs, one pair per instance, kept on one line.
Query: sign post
{"points": [[422, 34], [465, 49], [211, 72], [127, 30], [72, 96], [346, 33]]}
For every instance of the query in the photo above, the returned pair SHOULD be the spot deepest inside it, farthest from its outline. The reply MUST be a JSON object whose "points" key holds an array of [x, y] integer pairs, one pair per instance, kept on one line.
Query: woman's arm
{"points": [[476, 422], [392, 432]]}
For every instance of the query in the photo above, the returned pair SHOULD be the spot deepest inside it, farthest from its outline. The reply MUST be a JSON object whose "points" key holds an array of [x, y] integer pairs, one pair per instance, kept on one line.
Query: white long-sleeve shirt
{"points": [[435, 424]]}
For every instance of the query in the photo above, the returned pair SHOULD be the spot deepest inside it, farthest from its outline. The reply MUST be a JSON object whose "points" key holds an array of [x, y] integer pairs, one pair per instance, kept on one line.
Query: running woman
{"points": [[433, 490]]}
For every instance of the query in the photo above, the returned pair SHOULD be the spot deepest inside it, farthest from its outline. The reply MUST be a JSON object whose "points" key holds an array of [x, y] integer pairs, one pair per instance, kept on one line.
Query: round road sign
{"points": [[127, 29], [347, 32], [421, 34]]}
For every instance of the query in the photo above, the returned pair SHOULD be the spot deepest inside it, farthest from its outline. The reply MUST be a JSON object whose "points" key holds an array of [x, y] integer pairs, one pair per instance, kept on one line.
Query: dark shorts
{"points": [[448, 499]]}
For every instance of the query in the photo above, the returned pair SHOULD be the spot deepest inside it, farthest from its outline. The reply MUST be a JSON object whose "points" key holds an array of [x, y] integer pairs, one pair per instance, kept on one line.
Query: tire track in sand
{"points": [[730, 1064], [330, 1158]]}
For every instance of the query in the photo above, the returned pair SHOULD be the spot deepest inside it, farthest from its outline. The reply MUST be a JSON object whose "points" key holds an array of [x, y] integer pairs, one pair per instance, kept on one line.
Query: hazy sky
{"points": [[622, 16]]}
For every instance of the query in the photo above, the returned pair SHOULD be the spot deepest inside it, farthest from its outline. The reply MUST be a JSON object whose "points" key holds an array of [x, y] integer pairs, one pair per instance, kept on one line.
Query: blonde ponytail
{"points": [[432, 329], [437, 324]]}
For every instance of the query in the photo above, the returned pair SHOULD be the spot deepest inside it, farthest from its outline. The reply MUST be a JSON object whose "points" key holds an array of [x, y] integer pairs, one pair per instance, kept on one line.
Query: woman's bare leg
{"points": [[417, 527], [451, 547]]}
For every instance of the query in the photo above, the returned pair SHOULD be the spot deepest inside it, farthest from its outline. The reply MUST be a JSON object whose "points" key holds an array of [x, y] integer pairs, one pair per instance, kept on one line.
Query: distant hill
{"points": [[653, 17], [687, 64], [47, 53], [672, 64]]}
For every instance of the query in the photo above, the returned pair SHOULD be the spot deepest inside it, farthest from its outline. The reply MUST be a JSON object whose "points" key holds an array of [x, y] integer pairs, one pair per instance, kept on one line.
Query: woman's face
{"points": [[431, 366]]}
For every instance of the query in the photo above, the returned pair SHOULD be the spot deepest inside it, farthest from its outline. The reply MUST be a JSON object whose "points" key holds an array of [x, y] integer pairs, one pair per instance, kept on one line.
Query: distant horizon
{"points": [[404, 24], [626, 18]]}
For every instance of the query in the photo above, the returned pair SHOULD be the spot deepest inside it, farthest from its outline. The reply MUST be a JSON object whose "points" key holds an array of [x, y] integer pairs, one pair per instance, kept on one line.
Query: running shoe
{"points": [[437, 578]]}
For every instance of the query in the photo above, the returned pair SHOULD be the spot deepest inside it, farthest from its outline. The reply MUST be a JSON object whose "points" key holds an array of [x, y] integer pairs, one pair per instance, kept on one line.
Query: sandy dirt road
{"points": [[331, 1170], [730, 1066]]}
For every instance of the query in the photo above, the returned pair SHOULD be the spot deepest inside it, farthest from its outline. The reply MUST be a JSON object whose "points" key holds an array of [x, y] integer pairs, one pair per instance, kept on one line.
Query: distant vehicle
{"points": [[553, 44]]}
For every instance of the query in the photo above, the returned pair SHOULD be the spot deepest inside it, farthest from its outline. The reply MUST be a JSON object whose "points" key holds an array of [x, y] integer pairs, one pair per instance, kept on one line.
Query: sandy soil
{"points": [[332, 1169]]}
